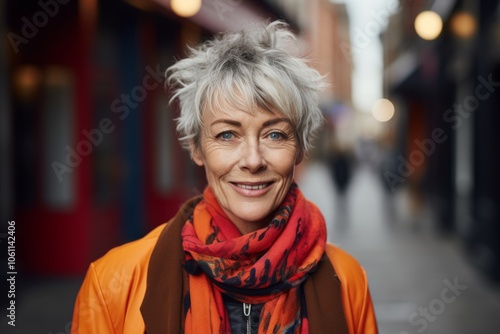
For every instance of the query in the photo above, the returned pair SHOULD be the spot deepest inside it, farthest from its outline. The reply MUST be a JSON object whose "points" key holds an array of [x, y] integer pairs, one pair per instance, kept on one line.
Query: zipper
{"points": [[247, 308]]}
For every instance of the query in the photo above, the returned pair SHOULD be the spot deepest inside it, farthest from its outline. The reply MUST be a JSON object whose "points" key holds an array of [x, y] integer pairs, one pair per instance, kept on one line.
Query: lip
{"points": [[251, 189]]}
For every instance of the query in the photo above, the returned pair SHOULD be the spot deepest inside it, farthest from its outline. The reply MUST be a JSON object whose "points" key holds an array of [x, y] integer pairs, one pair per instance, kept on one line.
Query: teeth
{"points": [[244, 186]]}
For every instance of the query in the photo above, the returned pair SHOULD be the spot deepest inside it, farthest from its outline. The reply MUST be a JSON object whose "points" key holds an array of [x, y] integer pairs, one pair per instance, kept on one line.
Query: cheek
{"points": [[214, 170], [285, 163], [217, 162]]}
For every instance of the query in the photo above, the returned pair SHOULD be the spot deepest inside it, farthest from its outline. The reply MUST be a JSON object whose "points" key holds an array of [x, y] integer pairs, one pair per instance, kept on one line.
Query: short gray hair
{"points": [[245, 69]]}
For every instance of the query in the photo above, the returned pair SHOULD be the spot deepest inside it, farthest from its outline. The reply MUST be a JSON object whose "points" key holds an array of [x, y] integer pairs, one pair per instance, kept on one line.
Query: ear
{"points": [[299, 157], [196, 154]]}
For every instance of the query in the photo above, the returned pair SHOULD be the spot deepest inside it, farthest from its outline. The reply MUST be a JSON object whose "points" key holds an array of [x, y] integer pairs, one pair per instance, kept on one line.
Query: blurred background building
{"points": [[445, 88], [90, 159]]}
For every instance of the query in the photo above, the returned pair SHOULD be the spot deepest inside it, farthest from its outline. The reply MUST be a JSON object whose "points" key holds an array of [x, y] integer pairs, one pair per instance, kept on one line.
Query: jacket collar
{"points": [[162, 306]]}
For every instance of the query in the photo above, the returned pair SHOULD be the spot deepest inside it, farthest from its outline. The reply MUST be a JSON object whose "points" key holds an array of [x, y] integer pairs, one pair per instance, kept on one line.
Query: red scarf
{"points": [[266, 266]]}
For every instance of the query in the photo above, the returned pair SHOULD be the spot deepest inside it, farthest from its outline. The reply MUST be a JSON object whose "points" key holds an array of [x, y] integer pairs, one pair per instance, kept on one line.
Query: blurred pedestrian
{"points": [[341, 170]]}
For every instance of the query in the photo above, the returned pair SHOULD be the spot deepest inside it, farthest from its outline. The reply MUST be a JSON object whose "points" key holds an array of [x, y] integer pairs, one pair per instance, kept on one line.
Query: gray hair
{"points": [[246, 69]]}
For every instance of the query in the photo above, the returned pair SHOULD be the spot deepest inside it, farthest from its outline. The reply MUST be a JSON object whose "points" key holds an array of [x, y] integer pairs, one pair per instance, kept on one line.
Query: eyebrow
{"points": [[265, 124]]}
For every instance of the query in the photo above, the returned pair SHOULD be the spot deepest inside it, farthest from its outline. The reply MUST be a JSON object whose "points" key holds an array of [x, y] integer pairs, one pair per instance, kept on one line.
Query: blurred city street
{"points": [[404, 168], [408, 266]]}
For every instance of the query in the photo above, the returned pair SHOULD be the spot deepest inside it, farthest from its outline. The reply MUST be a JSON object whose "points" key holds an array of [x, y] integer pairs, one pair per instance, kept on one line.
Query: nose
{"points": [[252, 157]]}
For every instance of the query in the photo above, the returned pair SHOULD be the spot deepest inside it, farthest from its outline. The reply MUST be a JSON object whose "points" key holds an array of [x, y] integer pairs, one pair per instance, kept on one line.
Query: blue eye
{"points": [[276, 135], [226, 135]]}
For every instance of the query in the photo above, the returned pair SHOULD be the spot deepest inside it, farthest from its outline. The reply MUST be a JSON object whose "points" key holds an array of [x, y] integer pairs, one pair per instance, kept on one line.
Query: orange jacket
{"points": [[111, 295]]}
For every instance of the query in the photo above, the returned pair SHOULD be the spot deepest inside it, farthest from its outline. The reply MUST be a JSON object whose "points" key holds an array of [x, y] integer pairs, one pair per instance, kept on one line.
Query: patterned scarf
{"points": [[265, 266]]}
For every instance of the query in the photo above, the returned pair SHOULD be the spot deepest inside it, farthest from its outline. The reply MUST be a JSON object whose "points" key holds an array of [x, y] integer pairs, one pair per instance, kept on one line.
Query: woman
{"points": [[250, 255]]}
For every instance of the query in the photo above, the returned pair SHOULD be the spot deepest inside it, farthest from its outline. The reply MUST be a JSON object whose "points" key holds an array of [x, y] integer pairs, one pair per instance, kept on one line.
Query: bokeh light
{"points": [[428, 25], [383, 110], [463, 24], [27, 80], [185, 8]]}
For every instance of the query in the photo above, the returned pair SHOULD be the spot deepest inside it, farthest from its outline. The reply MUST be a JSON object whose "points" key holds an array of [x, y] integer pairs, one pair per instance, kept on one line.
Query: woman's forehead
{"points": [[236, 100], [230, 110]]}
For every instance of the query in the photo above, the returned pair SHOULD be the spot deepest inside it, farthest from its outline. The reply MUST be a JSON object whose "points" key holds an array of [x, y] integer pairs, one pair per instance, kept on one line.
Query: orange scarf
{"points": [[266, 266]]}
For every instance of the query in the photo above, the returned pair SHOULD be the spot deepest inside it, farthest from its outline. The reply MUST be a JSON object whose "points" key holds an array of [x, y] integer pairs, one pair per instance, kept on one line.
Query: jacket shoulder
{"points": [[122, 271], [346, 266], [351, 274], [110, 296]]}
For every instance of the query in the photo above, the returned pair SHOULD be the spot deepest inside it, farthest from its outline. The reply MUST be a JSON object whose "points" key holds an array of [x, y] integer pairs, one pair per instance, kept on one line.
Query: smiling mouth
{"points": [[253, 187]]}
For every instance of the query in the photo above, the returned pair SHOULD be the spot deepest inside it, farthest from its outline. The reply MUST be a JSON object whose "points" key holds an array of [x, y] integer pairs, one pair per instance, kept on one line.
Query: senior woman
{"points": [[250, 254]]}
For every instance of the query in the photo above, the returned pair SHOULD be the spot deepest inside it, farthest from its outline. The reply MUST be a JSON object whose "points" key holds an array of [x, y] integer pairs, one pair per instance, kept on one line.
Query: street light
{"points": [[383, 110], [185, 8], [428, 25]]}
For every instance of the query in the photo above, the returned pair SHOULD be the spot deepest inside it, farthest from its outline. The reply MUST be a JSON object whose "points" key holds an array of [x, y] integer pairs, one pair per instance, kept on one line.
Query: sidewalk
{"points": [[420, 283]]}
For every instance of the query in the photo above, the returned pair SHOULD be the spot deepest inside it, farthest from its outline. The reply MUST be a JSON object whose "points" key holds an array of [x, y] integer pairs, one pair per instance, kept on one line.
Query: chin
{"points": [[252, 219], [254, 216]]}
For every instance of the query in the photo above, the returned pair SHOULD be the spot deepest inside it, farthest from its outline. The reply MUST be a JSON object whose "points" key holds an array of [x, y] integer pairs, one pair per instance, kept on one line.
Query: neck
{"points": [[249, 227]]}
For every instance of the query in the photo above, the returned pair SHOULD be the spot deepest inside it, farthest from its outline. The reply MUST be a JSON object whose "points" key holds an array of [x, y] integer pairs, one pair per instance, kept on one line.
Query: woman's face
{"points": [[249, 161]]}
